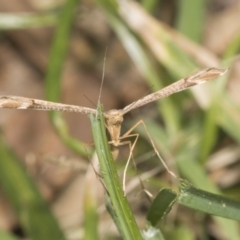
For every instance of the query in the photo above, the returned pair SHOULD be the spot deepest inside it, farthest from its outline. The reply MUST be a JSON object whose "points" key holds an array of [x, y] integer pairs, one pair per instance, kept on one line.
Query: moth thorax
{"points": [[114, 121]]}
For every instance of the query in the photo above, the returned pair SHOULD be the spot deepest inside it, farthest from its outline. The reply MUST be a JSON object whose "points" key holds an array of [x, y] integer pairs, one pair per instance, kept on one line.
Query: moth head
{"points": [[114, 117]]}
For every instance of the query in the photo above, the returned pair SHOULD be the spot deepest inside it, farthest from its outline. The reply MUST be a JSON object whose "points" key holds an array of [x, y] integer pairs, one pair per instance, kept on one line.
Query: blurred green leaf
{"points": [[90, 219], [150, 5], [9, 21], [7, 236], [194, 10], [30, 208], [53, 77], [208, 202]]}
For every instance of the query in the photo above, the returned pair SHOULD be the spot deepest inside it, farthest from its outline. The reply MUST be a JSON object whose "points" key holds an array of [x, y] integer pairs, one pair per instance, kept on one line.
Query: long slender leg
{"points": [[131, 147], [127, 134]]}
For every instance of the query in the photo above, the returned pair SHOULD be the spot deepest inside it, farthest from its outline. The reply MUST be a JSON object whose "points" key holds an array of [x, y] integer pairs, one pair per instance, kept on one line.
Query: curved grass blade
{"points": [[207, 202], [32, 212], [54, 72], [124, 216], [161, 205], [191, 10], [27, 20]]}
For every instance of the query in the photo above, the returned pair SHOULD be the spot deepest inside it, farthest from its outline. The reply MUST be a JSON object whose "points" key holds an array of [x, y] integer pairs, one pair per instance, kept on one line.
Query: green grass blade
{"points": [[208, 202], [209, 136], [54, 72], [229, 117], [9, 21], [59, 50], [161, 205], [232, 49], [127, 223], [209, 133], [229, 227], [150, 5], [90, 219], [7, 236], [33, 213], [194, 10], [112, 212]]}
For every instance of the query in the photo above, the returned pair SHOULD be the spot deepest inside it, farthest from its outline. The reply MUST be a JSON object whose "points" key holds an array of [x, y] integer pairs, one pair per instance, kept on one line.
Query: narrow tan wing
{"points": [[192, 80], [16, 102]]}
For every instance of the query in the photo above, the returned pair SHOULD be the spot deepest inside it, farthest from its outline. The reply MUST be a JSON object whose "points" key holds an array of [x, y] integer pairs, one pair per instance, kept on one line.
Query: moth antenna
{"points": [[103, 75], [90, 100]]}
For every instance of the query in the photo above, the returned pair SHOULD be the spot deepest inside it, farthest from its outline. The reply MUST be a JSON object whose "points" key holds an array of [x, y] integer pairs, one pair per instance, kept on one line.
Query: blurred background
{"points": [[150, 43]]}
